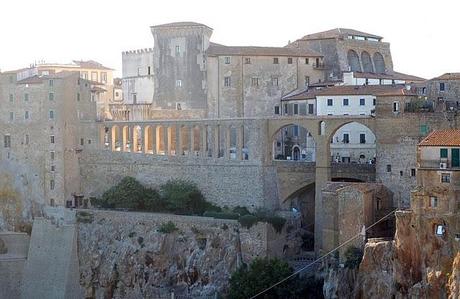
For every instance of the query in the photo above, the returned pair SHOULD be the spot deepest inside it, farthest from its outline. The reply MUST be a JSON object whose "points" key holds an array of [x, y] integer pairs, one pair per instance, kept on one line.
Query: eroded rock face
{"points": [[127, 257]]}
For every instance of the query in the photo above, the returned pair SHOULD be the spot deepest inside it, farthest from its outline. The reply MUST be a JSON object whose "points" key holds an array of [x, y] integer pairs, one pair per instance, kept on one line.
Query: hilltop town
{"points": [[323, 142]]}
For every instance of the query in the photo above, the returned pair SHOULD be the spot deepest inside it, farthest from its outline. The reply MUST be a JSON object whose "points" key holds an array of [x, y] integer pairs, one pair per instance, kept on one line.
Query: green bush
{"points": [[184, 197], [277, 222], [221, 215], [241, 211], [248, 220], [84, 217], [353, 257], [130, 194], [167, 228], [261, 274]]}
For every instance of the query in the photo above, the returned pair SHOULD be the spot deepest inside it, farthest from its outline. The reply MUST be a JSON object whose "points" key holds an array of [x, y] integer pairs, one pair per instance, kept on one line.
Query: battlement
{"points": [[138, 51]]}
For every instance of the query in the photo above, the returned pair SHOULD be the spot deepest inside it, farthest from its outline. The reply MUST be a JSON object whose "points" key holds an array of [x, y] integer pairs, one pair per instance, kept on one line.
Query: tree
{"points": [[261, 274]]}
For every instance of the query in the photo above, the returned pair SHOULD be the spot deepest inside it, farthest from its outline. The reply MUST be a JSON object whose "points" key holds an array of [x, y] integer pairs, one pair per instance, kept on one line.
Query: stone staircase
{"points": [[14, 248], [301, 261]]}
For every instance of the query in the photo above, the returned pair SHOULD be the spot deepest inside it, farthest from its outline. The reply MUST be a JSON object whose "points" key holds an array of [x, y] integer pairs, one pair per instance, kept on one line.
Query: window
{"points": [[177, 50], [362, 102], [285, 109], [104, 77], [178, 83], [388, 167], [295, 131], [275, 60], [84, 75], [275, 81], [11, 97], [134, 98], [53, 168], [442, 86], [26, 115], [117, 94], [330, 102], [362, 138], [27, 139], [51, 114], [423, 129], [11, 116], [149, 71], [401, 173], [7, 141], [443, 153], [78, 97], [307, 61], [307, 81], [52, 155], [310, 108], [289, 60], [94, 76], [346, 138], [277, 110], [373, 101], [440, 230], [227, 60], [82, 141], [445, 177], [247, 60], [89, 141], [227, 81], [395, 106], [26, 97], [412, 172], [423, 90], [51, 96], [433, 202], [345, 102], [51, 83], [52, 184], [296, 109], [255, 81], [52, 139]]}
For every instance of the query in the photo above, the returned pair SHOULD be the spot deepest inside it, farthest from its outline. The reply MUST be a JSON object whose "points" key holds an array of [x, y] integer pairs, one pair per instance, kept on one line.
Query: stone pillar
{"points": [[141, 139], [323, 175], [178, 140], [157, 138], [166, 140], [153, 136], [216, 145], [239, 142], [228, 130], [109, 139], [203, 141], [191, 151]]}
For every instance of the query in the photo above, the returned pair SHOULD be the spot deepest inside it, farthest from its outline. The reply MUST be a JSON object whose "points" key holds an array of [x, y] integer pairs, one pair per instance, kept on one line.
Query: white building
{"points": [[137, 76]]}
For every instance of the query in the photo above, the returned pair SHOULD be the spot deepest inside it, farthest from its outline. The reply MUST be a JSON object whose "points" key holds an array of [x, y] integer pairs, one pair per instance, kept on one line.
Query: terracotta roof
{"points": [[91, 64], [218, 50], [391, 76], [180, 24], [302, 94], [337, 33], [98, 89], [448, 76], [442, 138]]}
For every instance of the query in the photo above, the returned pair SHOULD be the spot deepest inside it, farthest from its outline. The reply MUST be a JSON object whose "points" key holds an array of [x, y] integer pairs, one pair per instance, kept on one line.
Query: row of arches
{"points": [[215, 141], [364, 62]]}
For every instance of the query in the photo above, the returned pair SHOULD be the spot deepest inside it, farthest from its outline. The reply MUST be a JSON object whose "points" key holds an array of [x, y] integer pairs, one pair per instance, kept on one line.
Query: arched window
{"points": [[353, 61], [367, 62], [379, 63]]}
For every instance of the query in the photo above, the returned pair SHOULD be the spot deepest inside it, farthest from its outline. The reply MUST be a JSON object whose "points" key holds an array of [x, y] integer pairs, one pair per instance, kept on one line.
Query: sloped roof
{"points": [[338, 32], [218, 50], [448, 76], [180, 24], [91, 64], [449, 137]]}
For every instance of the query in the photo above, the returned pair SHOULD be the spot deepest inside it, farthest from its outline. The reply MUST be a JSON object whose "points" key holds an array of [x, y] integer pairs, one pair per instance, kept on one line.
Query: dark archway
{"points": [[353, 61], [379, 63], [367, 62]]}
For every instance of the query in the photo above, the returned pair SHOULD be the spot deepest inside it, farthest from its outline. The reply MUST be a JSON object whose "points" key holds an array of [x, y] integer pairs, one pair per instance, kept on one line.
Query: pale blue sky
{"points": [[423, 34]]}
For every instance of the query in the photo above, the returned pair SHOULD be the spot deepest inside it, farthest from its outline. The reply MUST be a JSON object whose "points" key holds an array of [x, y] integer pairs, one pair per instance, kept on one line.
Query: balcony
{"points": [[319, 66], [438, 164]]}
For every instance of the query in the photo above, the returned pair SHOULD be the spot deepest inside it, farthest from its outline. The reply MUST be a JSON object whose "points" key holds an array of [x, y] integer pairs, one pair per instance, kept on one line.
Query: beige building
{"points": [[103, 90], [45, 122]]}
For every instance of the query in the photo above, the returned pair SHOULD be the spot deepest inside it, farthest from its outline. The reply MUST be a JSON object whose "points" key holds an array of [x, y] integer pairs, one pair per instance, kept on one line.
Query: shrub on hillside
{"points": [[261, 274], [184, 197], [168, 227], [221, 215], [247, 220], [353, 256]]}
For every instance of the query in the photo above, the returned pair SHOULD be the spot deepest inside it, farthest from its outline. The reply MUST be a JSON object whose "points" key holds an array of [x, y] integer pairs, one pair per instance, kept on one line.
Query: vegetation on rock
{"points": [[353, 257]]}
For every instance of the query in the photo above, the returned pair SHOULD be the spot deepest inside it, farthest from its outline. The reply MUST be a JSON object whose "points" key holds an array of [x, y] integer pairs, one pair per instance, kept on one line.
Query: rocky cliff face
{"points": [[417, 264], [125, 255]]}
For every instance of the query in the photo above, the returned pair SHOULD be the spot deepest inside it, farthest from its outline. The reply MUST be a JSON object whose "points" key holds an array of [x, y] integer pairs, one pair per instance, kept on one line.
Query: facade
{"points": [[99, 77], [46, 120], [347, 50], [442, 91], [138, 82]]}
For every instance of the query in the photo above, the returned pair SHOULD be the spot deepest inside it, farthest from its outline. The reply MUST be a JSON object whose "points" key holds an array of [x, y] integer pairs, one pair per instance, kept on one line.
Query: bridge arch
{"points": [[294, 142]]}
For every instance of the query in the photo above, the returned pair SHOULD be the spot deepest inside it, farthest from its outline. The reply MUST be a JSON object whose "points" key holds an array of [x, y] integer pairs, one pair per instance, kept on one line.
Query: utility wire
{"points": [[322, 257]]}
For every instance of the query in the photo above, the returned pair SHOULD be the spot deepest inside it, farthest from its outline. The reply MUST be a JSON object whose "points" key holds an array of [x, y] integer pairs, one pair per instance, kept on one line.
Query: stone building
{"points": [[443, 91], [46, 120], [99, 77], [137, 72], [346, 50]]}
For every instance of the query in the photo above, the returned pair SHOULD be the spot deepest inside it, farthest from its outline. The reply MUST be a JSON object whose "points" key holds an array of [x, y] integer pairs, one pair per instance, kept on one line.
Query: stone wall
{"points": [[123, 254], [223, 182]]}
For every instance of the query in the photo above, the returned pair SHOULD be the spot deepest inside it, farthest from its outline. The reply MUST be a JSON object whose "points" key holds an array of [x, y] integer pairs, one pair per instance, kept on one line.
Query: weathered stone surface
{"points": [[123, 255]]}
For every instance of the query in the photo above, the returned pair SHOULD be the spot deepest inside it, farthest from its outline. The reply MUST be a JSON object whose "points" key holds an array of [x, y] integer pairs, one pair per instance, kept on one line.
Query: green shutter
{"points": [[423, 130], [443, 153]]}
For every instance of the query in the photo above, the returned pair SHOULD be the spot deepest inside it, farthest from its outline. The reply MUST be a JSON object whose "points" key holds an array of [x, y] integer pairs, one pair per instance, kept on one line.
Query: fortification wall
{"points": [[223, 182]]}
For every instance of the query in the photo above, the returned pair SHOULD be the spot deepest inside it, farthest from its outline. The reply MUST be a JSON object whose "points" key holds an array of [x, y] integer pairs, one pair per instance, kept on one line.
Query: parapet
{"points": [[138, 51]]}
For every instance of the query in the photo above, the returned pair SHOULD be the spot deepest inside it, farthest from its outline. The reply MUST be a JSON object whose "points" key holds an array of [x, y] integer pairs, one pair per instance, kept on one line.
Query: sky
{"points": [[424, 35]]}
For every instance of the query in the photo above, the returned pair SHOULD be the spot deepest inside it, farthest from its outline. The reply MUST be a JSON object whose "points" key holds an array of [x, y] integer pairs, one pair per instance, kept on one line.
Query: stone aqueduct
{"points": [[241, 140]]}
